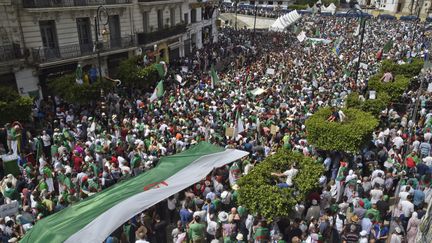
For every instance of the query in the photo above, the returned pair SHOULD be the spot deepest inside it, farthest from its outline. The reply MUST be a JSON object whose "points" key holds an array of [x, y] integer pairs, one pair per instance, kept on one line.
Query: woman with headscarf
{"points": [[412, 228]]}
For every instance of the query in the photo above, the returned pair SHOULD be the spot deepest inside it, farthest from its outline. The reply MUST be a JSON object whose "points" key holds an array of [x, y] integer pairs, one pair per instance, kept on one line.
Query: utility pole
{"points": [[236, 5], [256, 10]]}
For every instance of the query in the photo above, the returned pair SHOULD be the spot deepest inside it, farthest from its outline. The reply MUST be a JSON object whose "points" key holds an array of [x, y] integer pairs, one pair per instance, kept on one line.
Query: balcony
{"points": [[44, 54], [158, 2], [70, 3], [10, 52], [146, 38]]}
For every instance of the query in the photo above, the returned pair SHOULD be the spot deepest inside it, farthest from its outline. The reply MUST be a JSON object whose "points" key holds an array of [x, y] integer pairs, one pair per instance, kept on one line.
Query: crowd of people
{"points": [[83, 149]]}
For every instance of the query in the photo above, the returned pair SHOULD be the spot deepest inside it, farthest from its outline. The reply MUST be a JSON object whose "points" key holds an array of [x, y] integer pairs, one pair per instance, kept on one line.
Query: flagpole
{"points": [[355, 8], [236, 4]]}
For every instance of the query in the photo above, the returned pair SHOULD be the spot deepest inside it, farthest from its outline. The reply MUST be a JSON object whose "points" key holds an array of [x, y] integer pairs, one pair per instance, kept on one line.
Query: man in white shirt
{"points": [[403, 195], [398, 142], [376, 194], [46, 139], [378, 180], [290, 174], [406, 207]]}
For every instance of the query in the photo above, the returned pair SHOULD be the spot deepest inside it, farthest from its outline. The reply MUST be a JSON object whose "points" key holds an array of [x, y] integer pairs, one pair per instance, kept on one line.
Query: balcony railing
{"points": [[10, 52], [147, 1], [145, 38], [69, 3], [45, 54]]}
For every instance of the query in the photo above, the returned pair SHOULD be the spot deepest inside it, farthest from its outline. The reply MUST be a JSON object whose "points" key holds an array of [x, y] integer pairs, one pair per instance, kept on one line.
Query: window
{"points": [[261, 2], [160, 19], [193, 15], [48, 33], [270, 2], [280, 3], [114, 30], [146, 20], [172, 16], [251, 2], [84, 35], [186, 18], [49, 39]]}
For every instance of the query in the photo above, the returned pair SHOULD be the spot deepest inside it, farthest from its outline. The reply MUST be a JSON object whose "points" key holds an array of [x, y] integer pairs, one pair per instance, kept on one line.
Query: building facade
{"points": [[281, 4], [405, 7], [42, 39]]}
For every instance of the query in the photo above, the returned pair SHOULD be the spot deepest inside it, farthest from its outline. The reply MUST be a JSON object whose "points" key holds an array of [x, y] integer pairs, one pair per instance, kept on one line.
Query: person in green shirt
{"points": [[48, 175], [262, 233], [11, 193], [375, 212], [197, 230], [136, 160]]}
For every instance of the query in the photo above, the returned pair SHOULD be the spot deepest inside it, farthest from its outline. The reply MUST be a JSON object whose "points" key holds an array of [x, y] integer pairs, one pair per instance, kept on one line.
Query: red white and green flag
{"points": [[214, 77], [95, 218], [158, 92]]}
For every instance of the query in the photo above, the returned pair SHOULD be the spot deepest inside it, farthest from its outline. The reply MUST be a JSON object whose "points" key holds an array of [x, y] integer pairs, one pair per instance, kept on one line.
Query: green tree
{"points": [[393, 89], [14, 107], [258, 190], [348, 136], [67, 88], [407, 69], [373, 106], [133, 75]]}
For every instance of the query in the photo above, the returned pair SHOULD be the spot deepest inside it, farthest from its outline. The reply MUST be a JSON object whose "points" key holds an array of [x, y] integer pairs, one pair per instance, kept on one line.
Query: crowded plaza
{"points": [[265, 85]]}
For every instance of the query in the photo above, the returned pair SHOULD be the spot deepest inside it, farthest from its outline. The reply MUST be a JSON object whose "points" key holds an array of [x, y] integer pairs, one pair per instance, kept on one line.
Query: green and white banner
{"points": [[95, 218]]}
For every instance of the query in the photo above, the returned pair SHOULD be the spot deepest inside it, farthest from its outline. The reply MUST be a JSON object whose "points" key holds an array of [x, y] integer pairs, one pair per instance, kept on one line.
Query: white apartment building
{"points": [[405, 7], [42, 39], [283, 4]]}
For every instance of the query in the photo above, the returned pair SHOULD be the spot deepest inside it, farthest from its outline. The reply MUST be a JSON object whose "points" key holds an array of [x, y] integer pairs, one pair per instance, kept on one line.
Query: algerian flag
{"points": [[162, 69], [388, 46], [357, 32], [239, 128], [258, 125], [102, 213], [158, 92], [347, 73], [257, 91], [214, 77], [179, 79], [317, 33], [79, 75]]}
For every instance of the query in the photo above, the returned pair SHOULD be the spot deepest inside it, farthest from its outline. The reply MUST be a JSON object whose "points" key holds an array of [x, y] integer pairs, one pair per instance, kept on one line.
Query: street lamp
{"points": [[236, 5], [256, 10], [355, 9], [101, 17]]}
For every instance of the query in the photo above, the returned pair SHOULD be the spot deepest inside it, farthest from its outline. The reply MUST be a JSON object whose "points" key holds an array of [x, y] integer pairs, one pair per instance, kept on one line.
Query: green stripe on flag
{"points": [[160, 89], [388, 46], [214, 76], [62, 225], [161, 70]]}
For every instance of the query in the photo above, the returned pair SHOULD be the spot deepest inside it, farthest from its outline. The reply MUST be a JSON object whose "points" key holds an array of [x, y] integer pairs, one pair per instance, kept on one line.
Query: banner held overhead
{"points": [[95, 218]]}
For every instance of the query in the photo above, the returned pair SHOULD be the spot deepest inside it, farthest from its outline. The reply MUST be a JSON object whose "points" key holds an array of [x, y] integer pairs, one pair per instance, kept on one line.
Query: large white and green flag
{"points": [[96, 217], [158, 92], [214, 77]]}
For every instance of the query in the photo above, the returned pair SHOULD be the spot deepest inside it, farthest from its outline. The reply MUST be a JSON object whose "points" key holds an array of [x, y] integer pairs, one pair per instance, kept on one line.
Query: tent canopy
{"points": [[96, 217], [285, 20]]}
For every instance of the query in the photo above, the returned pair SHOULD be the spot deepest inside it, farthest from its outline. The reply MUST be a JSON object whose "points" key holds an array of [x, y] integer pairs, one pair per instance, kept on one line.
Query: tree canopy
{"points": [[258, 190]]}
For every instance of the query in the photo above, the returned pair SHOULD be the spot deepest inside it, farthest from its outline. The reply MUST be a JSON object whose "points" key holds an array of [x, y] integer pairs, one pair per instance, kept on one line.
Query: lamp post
{"points": [[256, 11], [101, 17], [236, 5], [355, 9]]}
